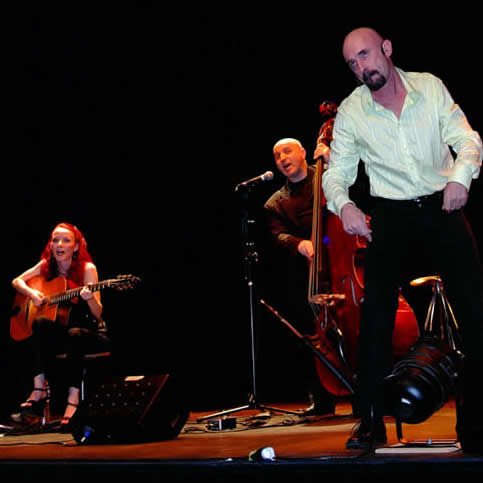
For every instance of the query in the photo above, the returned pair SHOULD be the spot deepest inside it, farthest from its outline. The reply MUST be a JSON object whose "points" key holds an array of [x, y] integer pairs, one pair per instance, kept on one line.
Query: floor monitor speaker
{"points": [[131, 409]]}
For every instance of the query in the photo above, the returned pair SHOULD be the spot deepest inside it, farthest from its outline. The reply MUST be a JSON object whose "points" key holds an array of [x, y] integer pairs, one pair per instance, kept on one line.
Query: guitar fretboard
{"points": [[74, 292]]}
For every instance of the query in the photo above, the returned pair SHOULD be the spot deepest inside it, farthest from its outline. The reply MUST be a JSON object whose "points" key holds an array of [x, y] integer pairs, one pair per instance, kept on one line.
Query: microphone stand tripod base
{"points": [[250, 258], [252, 405]]}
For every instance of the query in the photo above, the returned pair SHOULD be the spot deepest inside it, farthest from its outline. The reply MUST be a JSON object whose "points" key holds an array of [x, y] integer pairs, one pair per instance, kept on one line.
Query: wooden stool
{"points": [[46, 421]]}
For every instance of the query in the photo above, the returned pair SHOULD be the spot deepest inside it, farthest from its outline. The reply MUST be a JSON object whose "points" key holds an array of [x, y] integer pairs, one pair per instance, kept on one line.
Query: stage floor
{"points": [[306, 446]]}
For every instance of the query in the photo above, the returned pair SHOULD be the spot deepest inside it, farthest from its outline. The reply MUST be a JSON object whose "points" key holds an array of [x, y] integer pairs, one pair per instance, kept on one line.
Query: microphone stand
{"points": [[250, 258]]}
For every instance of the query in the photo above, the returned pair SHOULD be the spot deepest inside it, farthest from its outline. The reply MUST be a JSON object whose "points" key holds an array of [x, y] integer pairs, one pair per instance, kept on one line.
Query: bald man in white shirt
{"points": [[401, 126]]}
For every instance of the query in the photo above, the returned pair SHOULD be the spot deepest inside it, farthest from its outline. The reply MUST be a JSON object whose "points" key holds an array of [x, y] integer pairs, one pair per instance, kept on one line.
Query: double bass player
{"points": [[289, 216]]}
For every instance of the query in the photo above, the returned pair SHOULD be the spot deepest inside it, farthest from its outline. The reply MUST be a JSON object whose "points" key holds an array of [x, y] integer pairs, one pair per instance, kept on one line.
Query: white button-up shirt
{"points": [[407, 157]]}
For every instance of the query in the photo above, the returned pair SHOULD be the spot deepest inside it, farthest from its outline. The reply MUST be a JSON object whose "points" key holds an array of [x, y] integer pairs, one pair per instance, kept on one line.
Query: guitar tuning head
{"points": [[126, 281]]}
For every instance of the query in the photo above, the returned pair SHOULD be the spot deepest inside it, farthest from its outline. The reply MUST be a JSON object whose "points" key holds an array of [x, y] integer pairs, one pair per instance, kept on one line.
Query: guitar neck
{"points": [[74, 292]]}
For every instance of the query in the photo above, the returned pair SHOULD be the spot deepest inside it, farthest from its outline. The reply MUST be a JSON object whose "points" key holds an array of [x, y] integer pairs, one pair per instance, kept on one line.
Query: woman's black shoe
{"points": [[66, 423], [363, 438], [31, 409]]}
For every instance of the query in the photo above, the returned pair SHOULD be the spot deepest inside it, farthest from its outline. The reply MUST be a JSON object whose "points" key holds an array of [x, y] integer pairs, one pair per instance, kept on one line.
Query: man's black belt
{"points": [[420, 201]]}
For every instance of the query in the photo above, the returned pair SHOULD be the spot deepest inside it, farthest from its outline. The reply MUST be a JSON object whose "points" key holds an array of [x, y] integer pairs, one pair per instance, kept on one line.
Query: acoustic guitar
{"points": [[24, 312]]}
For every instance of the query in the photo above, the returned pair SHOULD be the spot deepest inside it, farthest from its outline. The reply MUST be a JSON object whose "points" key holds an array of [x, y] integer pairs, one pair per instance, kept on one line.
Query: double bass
{"points": [[336, 292]]}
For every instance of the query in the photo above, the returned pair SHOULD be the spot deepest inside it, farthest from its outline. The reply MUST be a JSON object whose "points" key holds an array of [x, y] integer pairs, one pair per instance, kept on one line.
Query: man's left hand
{"points": [[455, 196]]}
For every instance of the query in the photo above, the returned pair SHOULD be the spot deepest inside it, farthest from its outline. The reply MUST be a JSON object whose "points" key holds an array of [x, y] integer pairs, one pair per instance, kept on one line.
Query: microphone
{"points": [[253, 181], [87, 433]]}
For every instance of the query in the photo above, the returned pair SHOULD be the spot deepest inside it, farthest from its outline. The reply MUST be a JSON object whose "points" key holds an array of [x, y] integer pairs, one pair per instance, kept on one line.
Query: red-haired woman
{"points": [[65, 255]]}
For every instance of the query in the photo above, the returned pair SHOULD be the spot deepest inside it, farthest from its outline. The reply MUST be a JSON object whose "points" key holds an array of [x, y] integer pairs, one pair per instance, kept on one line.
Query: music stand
{"points": [[250, 258]]}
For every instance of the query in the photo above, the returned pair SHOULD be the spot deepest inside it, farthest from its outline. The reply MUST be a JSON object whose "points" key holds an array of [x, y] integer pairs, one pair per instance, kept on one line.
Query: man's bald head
{"points": [[290, 159], [363, 34], [368, 55], [288, 141]]}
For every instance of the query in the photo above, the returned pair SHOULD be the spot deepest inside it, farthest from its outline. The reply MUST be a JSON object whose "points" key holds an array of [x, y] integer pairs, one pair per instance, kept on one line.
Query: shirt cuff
{"points": [[462, 174], [339, 203]]}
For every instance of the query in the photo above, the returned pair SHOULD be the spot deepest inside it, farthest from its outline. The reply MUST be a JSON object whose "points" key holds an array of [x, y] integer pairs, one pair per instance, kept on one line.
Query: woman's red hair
{"points": [[79, 259]]}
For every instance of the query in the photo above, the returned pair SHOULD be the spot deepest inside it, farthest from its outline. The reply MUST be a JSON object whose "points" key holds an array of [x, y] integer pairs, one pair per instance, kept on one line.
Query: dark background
{"points": [[136, 123]]}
